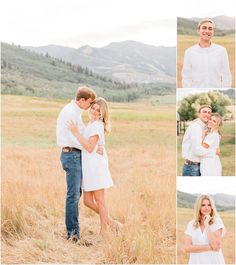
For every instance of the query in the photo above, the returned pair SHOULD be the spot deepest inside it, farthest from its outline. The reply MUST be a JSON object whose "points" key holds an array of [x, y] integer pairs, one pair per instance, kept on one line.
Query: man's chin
{"points": [[206, 38]]}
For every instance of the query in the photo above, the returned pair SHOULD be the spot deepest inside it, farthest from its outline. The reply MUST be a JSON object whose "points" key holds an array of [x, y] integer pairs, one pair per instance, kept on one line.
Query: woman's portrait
{"points": [[205, 213], [203, 234]]}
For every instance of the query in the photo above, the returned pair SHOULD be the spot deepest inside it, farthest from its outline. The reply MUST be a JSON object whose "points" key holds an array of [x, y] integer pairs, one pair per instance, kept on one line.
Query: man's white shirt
{"points": [[71, 112], [206, 67], [191, 146]]}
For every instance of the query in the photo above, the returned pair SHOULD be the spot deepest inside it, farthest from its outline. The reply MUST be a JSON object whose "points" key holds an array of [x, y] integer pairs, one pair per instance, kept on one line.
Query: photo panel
{"points": [[197, 200], [205, 132], [206, 52]]}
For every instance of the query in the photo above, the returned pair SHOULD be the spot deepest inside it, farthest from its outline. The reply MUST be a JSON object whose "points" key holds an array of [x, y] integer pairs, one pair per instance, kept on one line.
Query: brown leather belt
{"points": [[188, 162], [68, 149]]}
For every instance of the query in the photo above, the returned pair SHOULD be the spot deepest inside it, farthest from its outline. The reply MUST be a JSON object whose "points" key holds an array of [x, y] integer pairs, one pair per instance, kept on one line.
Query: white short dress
{"points": [[96, 174], [211, 166], [200, 238]]}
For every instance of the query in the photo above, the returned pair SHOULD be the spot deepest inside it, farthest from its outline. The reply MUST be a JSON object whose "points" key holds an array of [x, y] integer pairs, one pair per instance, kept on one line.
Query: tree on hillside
{"points": [[190, 105]]}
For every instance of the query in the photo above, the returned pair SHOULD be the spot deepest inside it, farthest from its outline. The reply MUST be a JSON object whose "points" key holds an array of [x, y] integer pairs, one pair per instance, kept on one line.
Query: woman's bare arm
{"points": [[214, 238], [88, 144], [205, 145], [190, 248]]}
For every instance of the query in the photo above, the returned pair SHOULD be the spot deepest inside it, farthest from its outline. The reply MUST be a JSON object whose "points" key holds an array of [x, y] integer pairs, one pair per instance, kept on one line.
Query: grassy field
{"points": [[141, 151], [228, 243], [227, 150], [186, 41]]}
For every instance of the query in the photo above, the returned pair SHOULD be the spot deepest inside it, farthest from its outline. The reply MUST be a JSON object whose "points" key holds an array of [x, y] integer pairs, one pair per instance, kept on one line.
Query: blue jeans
{"points": [[71, 163], [191, 170]]}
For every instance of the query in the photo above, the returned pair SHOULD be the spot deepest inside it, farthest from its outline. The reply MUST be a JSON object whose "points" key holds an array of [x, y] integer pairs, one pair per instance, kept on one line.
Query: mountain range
{"points": [[221, 22], [29, 73], [128, 61], [224, 25], [222, 201]]}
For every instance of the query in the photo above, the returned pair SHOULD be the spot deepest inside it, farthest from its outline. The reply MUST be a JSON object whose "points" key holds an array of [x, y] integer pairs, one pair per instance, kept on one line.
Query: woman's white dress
{"points": [[96, 174], [200, 238], [211, 166]]}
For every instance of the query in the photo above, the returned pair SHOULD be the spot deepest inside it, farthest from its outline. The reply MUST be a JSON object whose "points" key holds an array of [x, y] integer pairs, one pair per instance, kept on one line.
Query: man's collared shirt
{"points": [[191, 146], [206, 67], [71, 112]]}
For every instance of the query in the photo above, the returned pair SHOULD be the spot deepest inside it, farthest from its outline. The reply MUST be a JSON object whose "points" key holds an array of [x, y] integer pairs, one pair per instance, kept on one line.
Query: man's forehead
{"points": [[207, 24], [206, 109]]}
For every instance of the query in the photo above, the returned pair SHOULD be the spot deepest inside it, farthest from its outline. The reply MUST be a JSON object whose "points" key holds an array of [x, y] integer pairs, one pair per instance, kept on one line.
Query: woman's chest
{"points": [[199, 237]]}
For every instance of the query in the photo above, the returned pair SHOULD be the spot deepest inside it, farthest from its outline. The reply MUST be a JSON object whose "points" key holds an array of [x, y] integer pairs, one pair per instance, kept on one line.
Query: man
{"points": [[71, 156], [206, 65], [192, 149]]}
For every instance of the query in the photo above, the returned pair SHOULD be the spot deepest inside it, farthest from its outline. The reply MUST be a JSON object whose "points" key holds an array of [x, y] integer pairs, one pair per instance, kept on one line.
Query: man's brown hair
{"points": [[204, 106], [85, 92]]}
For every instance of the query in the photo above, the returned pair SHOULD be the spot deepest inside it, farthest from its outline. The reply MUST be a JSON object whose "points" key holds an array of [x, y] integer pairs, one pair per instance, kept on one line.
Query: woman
{"points": [[211, 166], [204, 233], [96, 174]]}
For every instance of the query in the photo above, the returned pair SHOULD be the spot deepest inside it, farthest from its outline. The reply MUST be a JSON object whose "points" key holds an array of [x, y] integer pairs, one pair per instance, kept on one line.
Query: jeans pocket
{"points": [[65, 160]]}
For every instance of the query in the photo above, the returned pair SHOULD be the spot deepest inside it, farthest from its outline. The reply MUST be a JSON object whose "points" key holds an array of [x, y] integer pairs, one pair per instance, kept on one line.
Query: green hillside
{"points": [[28, 73]]}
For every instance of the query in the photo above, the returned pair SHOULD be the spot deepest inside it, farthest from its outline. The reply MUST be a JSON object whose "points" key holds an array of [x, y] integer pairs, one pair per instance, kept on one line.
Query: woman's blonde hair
{"points": [[197, 210], [104, 113], [219, 122]]}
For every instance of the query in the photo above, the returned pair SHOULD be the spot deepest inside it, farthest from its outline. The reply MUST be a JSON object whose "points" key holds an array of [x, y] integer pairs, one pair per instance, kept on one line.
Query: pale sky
{"points": [[75, 23], [211, 185]]}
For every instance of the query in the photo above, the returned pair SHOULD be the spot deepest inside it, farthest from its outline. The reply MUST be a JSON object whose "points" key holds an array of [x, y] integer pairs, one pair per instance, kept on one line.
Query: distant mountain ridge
{"points": [[223, 25], [221, 22], [222, 201], [129, 61], [28, 73]]}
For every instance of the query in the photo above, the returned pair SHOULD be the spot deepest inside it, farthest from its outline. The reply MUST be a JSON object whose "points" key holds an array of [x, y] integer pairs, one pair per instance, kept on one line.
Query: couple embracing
{"points": [[84, 159], [200, 146]]}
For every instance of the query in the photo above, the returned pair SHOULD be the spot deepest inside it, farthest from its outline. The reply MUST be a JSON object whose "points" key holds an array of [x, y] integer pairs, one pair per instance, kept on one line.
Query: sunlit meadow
{"points": [[141, 150]]}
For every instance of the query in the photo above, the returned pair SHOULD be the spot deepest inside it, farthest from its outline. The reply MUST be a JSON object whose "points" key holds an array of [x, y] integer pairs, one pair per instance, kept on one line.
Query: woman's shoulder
{"points": [[190, 224], [213, 135], [218, 223], [189, 228], [96, 125], [218, 220], [216, 135]]}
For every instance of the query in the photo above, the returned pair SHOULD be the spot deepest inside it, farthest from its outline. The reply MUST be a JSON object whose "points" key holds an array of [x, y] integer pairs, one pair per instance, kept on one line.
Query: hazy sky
{"points": [[211, 185], [75, 23]]}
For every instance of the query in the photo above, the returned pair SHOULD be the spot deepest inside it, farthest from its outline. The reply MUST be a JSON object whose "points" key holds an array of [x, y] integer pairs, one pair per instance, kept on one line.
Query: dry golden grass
{"points": [[186, 41], [228, 243], [141, 154]]}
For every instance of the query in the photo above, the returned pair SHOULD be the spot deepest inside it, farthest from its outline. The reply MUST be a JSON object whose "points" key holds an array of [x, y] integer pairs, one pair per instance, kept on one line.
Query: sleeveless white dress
{"points": [[211, 166], [96, 174], [200, 238]]}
